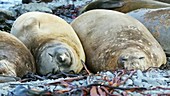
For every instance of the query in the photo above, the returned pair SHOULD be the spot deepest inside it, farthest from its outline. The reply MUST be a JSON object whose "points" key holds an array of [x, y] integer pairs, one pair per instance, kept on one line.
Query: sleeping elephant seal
{"points": [[158, 23], [15, 59], [123, 5], [115, 40], [52, 41]]}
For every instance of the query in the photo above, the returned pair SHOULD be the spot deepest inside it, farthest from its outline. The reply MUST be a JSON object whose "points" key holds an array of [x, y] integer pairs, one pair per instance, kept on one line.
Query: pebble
{"points": [[129, 82], [154, 84], [66, 10]]}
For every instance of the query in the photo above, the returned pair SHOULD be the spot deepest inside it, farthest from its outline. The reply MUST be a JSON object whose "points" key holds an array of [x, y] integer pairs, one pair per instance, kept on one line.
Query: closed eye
{"points": [[124, 59], [50, 54], [141, 57]]}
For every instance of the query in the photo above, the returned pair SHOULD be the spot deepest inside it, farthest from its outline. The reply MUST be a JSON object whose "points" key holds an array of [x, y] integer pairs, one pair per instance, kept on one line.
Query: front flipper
{"points": [[4, 78]]}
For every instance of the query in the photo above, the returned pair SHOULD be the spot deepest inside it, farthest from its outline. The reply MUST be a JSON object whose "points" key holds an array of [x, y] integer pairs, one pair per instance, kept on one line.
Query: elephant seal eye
{"points": [[141, 57], [124, 59]]}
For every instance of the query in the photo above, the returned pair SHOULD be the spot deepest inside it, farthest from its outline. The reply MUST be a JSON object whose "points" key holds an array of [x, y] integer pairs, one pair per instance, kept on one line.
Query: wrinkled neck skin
{"points": [[54, 56], [133, 58]]}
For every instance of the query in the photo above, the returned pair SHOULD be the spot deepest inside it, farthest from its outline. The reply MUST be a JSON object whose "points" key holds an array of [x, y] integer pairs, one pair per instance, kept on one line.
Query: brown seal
{"points": [[114, 40], [123, 5], [15, 58], [52, 41]]}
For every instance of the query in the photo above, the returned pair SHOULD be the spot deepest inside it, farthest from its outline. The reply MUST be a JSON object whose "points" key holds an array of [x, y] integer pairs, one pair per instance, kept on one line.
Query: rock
{"points": [[23, 8], [140, 74], [129, 82], [8, 16], [76, 86], [6, 20], [35, 1], [63, 8], [5, 4]]}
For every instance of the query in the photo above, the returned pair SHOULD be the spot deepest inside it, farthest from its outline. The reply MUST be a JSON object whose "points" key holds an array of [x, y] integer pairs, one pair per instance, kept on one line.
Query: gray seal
{"points": [[123, 5], [158, 23]]}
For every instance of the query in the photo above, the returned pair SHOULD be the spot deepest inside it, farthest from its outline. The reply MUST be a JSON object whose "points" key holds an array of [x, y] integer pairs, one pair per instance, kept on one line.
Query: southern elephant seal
{"points": [[123, 5], [114, 40], [52, 41], [15, 59]]}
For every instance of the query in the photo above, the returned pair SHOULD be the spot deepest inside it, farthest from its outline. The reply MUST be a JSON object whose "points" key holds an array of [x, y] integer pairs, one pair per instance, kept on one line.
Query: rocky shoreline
{"points": [[151, 82], [66, 10]]}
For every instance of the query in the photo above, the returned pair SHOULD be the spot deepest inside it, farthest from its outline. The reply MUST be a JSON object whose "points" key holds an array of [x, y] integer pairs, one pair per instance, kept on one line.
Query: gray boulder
{"points": [[6, 20]]}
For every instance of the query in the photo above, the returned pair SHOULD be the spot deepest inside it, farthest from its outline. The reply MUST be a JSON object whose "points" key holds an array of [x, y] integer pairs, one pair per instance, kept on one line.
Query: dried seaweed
{"points": [[106, 83]]}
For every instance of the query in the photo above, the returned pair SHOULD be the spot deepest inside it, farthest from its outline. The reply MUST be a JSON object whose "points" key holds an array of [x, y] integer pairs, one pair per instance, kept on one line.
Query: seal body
{"points": [[124, 5], [15, 58], [165, 1], [52, 41], [158, 23], [114, 40]]}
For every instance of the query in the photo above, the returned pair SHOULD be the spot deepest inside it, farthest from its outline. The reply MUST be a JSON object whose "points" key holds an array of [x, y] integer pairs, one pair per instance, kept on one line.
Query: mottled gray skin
{"points": [[124, 5], [158, 23], [15, 59], [115, 40]]}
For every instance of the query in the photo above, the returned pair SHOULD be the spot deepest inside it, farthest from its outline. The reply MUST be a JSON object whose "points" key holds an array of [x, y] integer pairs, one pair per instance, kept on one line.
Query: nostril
{"points": [[121, 64], [64, 59], [133, 63], [61, 58]]}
